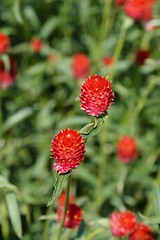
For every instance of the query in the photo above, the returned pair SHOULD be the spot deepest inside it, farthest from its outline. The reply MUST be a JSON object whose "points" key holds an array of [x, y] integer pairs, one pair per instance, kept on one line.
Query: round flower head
{"points": [[96, 95], [73, 217], [142, 232], [141, 56], [7, 77], [68, 150], [4, 42], [80, 65], [122, 223], [140, 9], [107, 61], [36, 44], [127, 149]]}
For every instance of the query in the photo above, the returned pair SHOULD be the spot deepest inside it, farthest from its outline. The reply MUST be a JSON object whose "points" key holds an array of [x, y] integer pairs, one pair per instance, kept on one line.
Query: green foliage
{"points": [[43, 101]]}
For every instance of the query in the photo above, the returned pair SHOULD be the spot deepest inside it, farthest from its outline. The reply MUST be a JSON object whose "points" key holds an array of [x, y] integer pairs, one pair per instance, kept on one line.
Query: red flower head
{"points": [[120, 2], [122, 223], [4, 42], [80, 65], [108, 61], [7, 77], [68, 150], [140, 9], [61, 199], [141, 56], [127, 149], [142, 232], [73, 217], [96, 95], [36, 44]]}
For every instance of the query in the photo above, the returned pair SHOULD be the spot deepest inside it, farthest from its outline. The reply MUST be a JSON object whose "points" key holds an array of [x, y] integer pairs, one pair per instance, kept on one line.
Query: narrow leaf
{"points": [[14, 213], [58, 186], [151, 220]]}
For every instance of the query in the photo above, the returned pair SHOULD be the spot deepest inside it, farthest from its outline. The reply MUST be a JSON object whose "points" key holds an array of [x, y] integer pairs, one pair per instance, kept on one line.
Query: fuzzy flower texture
{"points": [[68, 150], [96, 95]]}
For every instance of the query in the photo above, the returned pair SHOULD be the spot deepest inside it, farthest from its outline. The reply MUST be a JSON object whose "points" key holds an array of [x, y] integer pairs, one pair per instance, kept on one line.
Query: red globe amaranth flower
{"points": [[36, 44], [61, 199], [107, 61], [123, 223], [120, 2], [142, 232], [96, 95], [73, 218], [127, 149], [4, 42], [140, 9], [141, 56], [7, 77], [80, 65], [68, 150]]}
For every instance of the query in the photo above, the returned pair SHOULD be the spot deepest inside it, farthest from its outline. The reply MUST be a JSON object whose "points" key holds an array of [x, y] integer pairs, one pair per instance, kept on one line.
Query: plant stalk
{"points": [[65, 207]]}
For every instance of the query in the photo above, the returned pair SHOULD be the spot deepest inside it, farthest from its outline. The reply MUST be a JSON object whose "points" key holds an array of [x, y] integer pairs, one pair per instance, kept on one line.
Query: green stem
{"points": [[101, 171], [65, 207], [0, 112], [93, 234], [118, 51], [146, 93], [46, 226]]}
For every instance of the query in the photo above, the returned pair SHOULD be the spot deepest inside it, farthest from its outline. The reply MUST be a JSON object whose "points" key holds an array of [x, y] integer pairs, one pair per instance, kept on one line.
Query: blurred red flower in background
{"points": [[120, 2], [4, 42], [127, 149], [140, 9], [36, 44], [142, 232], [7, 77], [108, 61], [141, 56], [61, 199], [123, 223], [68, 150], [73, 218], [96, 95], [80, 65]]}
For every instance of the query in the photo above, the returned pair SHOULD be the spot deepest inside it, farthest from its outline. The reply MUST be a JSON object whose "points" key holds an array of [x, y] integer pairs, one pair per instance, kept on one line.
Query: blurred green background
{"points": [[44, 100]]}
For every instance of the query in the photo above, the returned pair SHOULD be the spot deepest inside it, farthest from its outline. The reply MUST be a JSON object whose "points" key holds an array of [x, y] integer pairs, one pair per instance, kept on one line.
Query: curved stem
{"points": [[118, 51], [65, 207], [93, 234]]}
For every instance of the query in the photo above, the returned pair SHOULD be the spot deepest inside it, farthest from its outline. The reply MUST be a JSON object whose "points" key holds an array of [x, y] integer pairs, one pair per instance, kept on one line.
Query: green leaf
{"points": [[31, 16], [17, 117], [94, 127], [17, 12], [14, 213], [151, 220], [58, 186], [49, 27]]}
